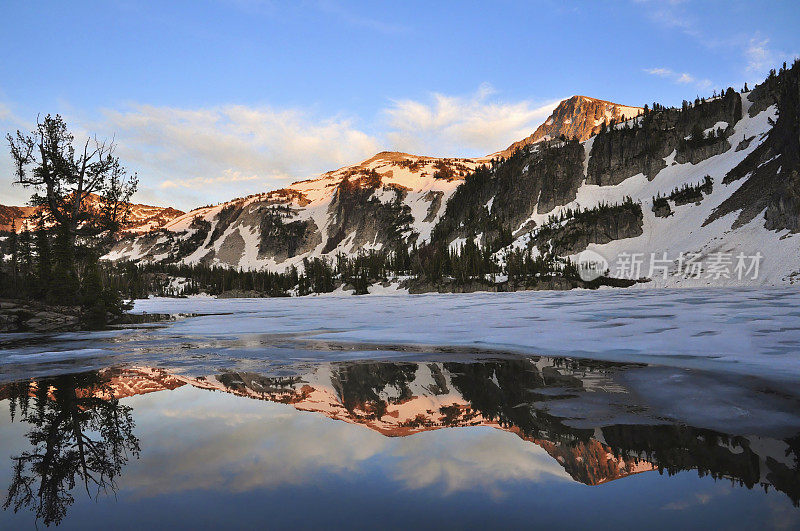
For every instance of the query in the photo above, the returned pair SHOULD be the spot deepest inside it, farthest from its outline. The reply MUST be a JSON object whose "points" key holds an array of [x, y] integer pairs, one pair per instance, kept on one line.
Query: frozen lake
{"points": [[427, 411], [743, 331]]}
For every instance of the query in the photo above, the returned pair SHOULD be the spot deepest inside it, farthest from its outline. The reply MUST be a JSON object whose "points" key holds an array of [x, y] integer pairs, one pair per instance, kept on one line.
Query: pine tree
{"points": [[64, 283], [25, 263], [13, 244], [44, 266], [92, 296]]}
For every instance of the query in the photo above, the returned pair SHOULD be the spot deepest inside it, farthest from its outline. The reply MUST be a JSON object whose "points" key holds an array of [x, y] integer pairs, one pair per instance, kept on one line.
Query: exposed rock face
{"points": [[772, 170], [627, 150], [283, 237], [533, 179], [356, 211], [145, 217], [578, 117], [435, 200], [14, 216], [550, 177], [601, 226]]}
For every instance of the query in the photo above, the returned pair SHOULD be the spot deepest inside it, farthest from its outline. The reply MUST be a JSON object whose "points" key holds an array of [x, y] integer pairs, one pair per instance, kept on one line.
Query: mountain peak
{"points": [[577, 116]]}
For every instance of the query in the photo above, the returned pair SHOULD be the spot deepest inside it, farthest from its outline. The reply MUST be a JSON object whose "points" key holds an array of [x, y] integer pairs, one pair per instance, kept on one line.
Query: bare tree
{"points": [[65, 180]]}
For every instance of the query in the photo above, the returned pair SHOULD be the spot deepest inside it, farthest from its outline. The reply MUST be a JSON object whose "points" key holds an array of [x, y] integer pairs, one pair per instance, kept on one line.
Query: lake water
{"points": [[604, 409]]}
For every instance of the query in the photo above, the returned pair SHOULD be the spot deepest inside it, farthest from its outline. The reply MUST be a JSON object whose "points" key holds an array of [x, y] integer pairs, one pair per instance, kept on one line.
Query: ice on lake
{"points": [[748, 331]]}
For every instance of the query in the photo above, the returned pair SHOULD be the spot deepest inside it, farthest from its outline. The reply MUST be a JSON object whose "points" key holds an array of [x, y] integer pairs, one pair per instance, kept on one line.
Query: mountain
{"points": [[143, 218], [14, 216], [712, 180], [577, 117], [390, 199]]}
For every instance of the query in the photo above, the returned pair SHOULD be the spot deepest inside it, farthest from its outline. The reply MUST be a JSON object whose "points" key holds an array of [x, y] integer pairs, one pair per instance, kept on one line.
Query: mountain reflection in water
{"points": [[588, 416]]}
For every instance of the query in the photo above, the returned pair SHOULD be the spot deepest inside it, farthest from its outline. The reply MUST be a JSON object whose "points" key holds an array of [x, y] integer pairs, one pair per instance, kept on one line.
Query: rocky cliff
{"points": [[578, 117], [14, 216]]}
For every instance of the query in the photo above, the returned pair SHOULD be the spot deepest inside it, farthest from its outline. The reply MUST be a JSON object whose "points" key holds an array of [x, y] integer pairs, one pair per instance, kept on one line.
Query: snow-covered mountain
{"points": [[389, 199], [715, 180]]}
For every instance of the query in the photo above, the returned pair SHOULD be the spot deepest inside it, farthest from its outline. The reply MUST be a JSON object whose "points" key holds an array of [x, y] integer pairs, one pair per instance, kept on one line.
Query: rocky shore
{"points": [[29, 316]]}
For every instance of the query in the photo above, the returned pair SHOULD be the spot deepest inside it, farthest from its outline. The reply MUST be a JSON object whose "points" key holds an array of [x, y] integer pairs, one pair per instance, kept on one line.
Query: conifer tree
{"points": [[64, 281], [92, 296], [13, 245], [44, 267]]}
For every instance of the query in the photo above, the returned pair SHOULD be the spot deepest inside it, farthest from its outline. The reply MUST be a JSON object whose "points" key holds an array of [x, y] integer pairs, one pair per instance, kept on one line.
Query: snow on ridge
{"points": [[683, 231], [411, 179]]}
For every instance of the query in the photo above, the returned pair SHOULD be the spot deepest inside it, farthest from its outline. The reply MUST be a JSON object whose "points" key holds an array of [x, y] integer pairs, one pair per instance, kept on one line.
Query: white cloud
{"points": [[228, 176], [682, 78], [662, 72], [356, 18], [671, 14], [757, 55], [187, 157], [457, 125], [230, 150], [237, 444]]}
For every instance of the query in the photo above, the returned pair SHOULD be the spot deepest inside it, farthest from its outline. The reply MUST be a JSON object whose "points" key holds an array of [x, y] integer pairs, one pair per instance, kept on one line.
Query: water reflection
{"points": [[80, 436], [400, 399], [592, 419]]}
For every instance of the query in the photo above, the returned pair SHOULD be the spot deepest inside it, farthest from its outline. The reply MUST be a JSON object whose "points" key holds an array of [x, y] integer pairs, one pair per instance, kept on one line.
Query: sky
{"points": [[208, 100]]}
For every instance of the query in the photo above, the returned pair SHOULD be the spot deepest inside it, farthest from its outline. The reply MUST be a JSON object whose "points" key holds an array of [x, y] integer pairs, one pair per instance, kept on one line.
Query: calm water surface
{"points": [[192, 424]]}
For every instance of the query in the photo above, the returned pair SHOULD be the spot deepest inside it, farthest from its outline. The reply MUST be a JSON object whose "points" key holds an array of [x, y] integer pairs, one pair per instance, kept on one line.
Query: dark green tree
{"points": [[44, 266]]}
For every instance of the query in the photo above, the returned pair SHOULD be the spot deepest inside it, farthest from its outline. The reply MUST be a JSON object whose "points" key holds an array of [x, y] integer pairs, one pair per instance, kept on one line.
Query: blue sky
{"points": [[209, 100]]}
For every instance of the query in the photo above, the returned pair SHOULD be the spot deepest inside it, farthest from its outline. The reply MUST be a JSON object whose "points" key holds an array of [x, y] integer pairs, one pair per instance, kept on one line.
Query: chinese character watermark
{"points": [[718, 266]]}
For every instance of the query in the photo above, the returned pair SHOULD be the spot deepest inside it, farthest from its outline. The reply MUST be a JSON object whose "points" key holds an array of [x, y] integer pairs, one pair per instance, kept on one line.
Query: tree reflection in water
{"points": [[80, 435]]}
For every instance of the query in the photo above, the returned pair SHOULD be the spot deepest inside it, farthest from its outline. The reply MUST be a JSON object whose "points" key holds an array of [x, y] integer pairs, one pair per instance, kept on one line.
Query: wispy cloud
{"points": [[227, 176], [683, 78], [447, 125], [760, 57], [671, 14], [757, 54]]}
